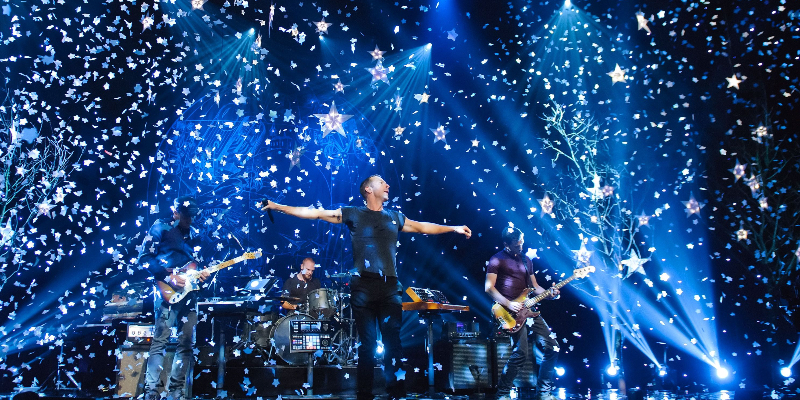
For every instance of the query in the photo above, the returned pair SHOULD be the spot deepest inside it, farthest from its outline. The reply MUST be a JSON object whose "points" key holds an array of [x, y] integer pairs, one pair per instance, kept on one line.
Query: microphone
{"points": [[269, 210]]}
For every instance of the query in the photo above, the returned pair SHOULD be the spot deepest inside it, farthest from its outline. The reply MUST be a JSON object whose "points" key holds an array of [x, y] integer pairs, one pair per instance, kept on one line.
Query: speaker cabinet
{"points": [[132, 369], [465, 364], [527, 376]]}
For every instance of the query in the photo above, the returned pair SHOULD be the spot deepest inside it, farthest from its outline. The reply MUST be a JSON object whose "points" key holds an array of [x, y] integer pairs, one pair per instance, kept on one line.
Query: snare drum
{"points": [[323, 303], [280, 338]]}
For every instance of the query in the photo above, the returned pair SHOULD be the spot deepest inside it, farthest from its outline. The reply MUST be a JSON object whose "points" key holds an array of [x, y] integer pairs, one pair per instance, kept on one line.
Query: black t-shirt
{"points": [[294, 287], [374, 235]]}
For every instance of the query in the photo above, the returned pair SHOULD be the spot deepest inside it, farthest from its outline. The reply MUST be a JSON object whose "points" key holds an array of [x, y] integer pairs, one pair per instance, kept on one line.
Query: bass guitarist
{"points": [[169, 245], [508, 274]]}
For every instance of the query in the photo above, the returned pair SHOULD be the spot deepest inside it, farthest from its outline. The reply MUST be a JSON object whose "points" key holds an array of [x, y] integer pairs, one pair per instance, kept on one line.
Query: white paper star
{"points": [[332, 121], [617, 75], [546, 204], [733, 81], [452, 35], [738, 171], [339, 87], [582, 255], [439, 133], [7, 233], [198, 4], [422, 98], [634, 264], [641, 21], [398, 132], [147, 22]]}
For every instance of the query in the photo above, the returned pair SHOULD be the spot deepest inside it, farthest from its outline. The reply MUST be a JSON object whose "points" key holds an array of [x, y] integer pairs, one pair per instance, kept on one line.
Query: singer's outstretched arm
{"points": [[333, 216]]}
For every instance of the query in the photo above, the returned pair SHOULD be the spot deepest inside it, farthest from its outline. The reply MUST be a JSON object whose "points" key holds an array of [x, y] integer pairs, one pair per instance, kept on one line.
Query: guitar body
{"points": [[513, 322], [509, 320], [174, 294]]}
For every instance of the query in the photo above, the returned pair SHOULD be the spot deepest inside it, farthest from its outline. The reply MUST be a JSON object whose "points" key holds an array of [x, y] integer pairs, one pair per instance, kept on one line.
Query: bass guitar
{"points": [[173, 294], [513, 321]]}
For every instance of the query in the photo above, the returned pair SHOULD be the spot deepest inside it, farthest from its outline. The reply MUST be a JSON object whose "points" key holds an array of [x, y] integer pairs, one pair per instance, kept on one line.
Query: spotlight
{"points": [[786, 372], [379, 349], [722, 372], [662, 371], [251, 31], [428, 46], [567, 3], [612, 370], [560, 371]]}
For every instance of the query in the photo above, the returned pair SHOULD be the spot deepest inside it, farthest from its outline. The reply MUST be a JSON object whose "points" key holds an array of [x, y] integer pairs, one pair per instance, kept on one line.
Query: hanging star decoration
{"points": [[617, 75], [7, 233], [634, 264], [547, 205], [761, 133], [398, 132], [762, 202], [295, 157], [692, 206], [322, 26], [452, 35], [741, 234], [339, 87], [738, 171], [754, 182], [376, 54], [595, 191], [198, 4], [439, 133], [644, 219], [641, 21], [332, 121], [379, 73], [422, 98], [733, 81], [582, 255], [147, 22]]}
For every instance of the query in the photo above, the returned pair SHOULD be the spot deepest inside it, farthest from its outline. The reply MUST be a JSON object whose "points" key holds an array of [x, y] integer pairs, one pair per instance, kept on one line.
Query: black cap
{"points": [[186, 205]]}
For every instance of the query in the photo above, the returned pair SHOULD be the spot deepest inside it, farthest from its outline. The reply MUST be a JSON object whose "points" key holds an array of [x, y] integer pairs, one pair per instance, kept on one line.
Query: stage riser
{"points": [[259, 381]]}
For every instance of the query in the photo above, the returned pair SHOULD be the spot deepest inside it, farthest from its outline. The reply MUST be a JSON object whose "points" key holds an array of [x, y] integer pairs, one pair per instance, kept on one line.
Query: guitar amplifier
{"points": [[501, 351], [466, 365]]}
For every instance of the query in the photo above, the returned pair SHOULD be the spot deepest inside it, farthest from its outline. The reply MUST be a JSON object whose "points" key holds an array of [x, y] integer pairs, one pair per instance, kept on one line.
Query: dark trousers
{"points": [[520, 349], [182, 316], [377, 304]]}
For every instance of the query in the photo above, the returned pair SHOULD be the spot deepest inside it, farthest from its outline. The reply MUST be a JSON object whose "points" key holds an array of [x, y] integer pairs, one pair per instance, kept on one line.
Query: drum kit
{"points": [[327, 304]]}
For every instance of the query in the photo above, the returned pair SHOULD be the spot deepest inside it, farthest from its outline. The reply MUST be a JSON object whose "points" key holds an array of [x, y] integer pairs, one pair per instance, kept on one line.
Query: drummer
{"points": [[300, 284]]}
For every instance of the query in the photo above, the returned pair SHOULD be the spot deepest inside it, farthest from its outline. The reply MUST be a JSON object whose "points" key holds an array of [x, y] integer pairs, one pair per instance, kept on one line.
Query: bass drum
{"points": [[279, 337]]}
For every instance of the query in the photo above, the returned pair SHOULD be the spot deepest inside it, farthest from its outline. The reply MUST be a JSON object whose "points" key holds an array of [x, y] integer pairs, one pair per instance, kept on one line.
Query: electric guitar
{"points": [[173, 294], [513, 322]]}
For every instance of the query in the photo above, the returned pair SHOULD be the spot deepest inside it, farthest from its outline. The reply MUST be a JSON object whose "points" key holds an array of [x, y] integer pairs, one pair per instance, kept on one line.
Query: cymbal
{"points": [[340, 275]]}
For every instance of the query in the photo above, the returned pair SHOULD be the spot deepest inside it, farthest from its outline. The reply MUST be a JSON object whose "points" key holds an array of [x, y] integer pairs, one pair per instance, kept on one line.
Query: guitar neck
{"points": [[224, 264], [533, 300]]}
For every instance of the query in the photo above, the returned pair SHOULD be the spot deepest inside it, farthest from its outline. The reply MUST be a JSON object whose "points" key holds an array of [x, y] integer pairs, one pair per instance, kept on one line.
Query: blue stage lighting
{"points": [[560, 371], [662, 371], [786, 372], [379, 349], [722, 372], [251, 31], [567, 3], [428, 46], [612, 370]]}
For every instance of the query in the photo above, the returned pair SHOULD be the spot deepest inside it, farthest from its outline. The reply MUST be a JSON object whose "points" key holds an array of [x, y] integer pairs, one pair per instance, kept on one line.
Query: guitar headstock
{"points": [[583, 272], [252, 255]]}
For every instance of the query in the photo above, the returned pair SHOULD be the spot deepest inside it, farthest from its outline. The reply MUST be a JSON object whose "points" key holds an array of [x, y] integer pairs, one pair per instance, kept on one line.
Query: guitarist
{"points": [[508, 274], [168, 246]]}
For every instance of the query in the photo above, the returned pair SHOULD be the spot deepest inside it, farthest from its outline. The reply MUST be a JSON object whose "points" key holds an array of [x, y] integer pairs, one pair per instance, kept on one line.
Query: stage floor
{"points": [[524, 394]]}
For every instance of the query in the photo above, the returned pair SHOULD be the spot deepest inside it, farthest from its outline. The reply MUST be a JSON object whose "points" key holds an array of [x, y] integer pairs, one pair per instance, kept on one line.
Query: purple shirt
{"points": [[513, 273]]}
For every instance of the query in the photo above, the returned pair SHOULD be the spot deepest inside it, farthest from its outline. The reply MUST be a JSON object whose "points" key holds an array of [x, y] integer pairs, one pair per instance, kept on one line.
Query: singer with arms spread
{"points": [[508, 274], [376, 293], [168, 246]]}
